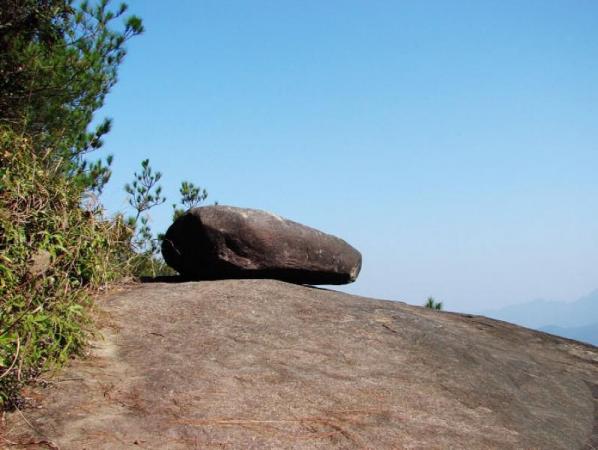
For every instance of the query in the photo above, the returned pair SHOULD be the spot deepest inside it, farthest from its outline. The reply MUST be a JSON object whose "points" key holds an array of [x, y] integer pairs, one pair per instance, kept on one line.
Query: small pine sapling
{"points": [[144, 194], [433, 304], [191, 197]]}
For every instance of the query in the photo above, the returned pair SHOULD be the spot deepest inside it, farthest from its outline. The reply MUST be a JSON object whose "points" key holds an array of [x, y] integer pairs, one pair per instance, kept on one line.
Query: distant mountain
{"points": [[588, 333], [568, 319]]}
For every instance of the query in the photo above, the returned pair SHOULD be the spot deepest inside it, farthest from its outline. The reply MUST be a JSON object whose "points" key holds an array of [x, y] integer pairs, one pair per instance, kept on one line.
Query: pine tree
{"points": [[191, 197], [58, 64]]}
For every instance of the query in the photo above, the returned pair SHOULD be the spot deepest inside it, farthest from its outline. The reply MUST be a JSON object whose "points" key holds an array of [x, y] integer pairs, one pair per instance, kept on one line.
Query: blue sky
{"points": [[455, 144]]}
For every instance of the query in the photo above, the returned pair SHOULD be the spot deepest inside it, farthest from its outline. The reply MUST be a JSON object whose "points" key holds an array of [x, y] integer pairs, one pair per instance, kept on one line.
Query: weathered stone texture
{"points": [[219, 242], [261, 364]]}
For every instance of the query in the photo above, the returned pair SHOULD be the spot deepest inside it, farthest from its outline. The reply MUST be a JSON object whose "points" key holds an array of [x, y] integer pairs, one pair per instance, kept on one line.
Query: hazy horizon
{"points": [[454, 144]]}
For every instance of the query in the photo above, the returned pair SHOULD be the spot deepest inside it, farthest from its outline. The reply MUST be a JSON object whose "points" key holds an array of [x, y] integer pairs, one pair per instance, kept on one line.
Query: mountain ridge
{"points": [[553, 316]]}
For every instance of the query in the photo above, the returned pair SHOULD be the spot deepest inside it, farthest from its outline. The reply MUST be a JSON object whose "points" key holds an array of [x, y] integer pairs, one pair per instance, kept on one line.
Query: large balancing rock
{"points": [[216, 242]]}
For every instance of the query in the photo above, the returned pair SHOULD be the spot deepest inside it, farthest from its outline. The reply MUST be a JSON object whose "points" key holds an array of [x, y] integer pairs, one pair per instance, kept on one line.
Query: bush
{"points": [[58, 64], [53, 253], [56, 247], [433, 304]]}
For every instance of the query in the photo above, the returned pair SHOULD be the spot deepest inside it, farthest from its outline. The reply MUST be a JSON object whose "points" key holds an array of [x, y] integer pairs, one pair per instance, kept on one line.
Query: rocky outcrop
{"points": [[261, 364], [219, 242]]}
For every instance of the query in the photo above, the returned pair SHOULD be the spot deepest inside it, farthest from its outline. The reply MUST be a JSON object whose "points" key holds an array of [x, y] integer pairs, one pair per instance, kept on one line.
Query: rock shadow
{"points": [[165, 279]]}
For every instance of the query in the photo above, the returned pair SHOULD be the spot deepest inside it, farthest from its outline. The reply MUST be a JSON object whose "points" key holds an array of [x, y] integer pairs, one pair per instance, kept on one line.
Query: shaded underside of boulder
{"points": [[219, 242], [262, 364]]}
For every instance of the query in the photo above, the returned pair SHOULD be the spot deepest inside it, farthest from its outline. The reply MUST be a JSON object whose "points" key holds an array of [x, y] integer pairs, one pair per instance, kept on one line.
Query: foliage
{"points": [[58, 64], [144, 194], [52, 254], [191, 197], [433, 304]]}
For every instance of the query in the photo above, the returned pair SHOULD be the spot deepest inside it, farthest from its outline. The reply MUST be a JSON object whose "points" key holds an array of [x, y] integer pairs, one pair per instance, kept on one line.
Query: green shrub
{"points": [[56, 247], [53, 253], [433, 304], [58, 63]]}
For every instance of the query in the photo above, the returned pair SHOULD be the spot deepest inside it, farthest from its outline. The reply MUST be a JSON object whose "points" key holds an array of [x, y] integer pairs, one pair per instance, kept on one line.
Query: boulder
{"points": [[219, 242]]}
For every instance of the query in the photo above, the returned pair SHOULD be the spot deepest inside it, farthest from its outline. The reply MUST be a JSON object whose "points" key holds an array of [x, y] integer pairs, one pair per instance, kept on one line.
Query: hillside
{"points": [[266, 364]]}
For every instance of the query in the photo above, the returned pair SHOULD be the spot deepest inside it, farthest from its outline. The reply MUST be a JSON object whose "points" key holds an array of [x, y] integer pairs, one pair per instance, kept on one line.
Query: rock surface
{"points": [[219, 242], [261, 364]]}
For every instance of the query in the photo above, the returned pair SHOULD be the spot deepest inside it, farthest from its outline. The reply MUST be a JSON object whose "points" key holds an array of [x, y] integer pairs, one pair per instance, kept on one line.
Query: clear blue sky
{"points": [[454, 143]]}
